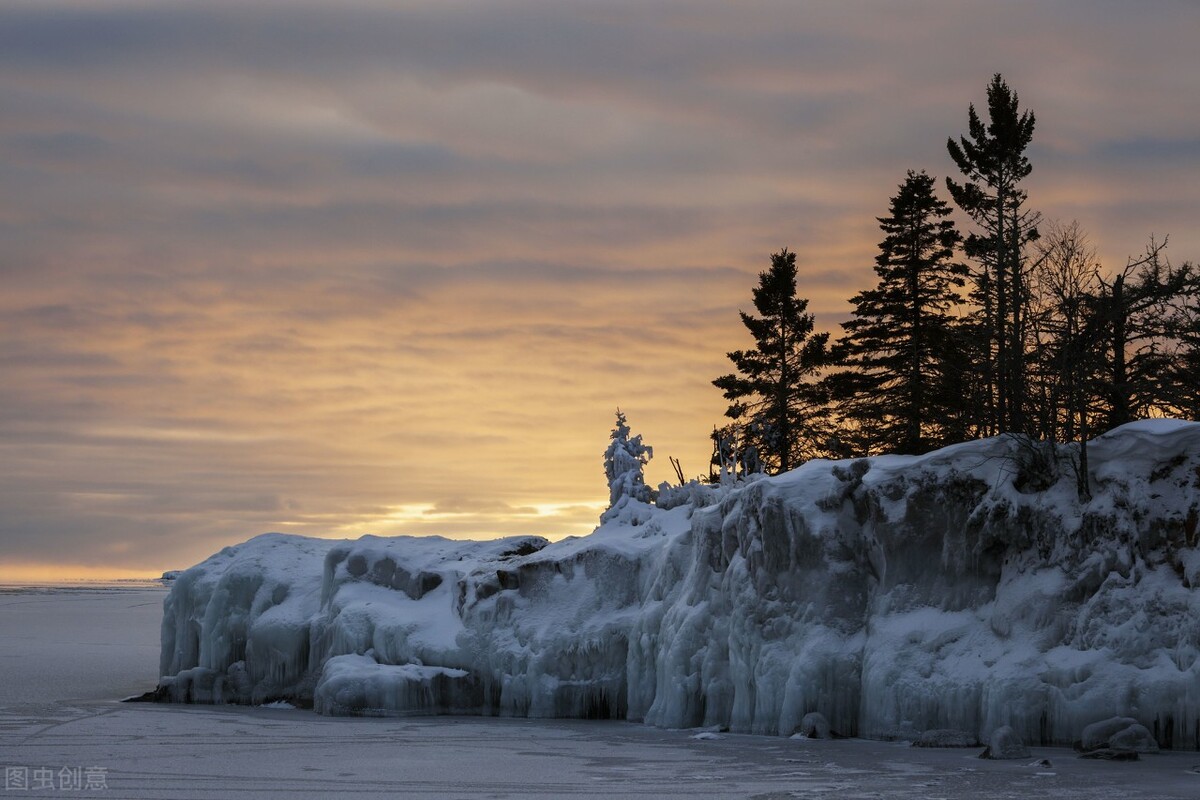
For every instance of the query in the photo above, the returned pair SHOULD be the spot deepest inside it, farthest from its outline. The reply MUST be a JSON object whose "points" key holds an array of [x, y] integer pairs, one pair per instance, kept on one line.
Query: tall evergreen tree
{"points": [[774, 396], [992, 159], [899, 340]]}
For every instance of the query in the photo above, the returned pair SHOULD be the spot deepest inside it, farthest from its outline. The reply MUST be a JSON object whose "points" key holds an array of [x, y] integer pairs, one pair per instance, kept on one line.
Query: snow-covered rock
{"points": [[353, 684], [815, 726], [1118, 733], [1136, 738], [967, 589], [1005, 744], [1096, 735]]}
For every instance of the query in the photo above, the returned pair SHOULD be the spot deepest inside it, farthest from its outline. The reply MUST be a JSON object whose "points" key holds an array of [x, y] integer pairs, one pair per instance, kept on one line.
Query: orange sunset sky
{"points": [[337, 269]]}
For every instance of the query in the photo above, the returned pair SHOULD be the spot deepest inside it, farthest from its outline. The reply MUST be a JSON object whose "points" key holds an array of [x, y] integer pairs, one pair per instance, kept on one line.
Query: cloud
{"points": [[474, 506], [288, 266]]}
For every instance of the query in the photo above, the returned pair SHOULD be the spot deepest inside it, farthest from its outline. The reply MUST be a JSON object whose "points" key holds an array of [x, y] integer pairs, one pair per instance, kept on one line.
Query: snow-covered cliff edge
{"points": [[968, 589]]}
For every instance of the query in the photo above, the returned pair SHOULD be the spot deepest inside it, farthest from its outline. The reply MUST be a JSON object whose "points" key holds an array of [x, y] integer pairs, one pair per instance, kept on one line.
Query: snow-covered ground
{"points": [[969, 589], [66, 656]]}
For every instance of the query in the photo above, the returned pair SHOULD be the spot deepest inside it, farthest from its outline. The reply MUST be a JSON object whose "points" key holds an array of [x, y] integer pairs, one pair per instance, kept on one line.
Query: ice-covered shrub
{"points": [[624, 461]]}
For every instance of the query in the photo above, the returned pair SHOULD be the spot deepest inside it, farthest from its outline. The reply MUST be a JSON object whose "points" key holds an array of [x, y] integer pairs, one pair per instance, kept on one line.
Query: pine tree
{"points": [[993, 162], [774, 396], [623, 463], [902, 333]]}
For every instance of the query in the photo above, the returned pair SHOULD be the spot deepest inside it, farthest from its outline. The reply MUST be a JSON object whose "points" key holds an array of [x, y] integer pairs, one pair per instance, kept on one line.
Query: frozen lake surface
{"points": [[67, 656], [87, 642]]}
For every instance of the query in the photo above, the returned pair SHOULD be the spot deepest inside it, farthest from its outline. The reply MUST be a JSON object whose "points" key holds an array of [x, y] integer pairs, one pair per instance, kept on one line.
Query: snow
{"points": [[278, 704], [353, 684], [165, 752], [968, 589], [623, 463]]}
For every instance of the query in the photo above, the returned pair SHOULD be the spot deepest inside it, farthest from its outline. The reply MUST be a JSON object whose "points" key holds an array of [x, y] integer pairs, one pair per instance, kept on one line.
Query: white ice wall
{"points": [[893, 595]]}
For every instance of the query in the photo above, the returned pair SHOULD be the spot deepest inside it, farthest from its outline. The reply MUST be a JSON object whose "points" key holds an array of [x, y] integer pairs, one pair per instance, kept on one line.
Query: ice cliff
{"points": [[966, 589]]}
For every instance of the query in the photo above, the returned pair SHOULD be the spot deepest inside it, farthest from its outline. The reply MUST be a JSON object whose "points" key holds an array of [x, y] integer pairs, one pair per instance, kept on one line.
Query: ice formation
{"points": [[968, 589]]}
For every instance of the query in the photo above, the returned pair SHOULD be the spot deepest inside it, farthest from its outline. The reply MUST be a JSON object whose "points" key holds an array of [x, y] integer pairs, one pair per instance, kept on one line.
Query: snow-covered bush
{"points": [[624, 460], [699, 494]]}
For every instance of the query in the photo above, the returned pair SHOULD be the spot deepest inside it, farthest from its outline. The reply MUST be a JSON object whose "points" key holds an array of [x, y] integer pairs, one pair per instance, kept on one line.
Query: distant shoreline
{"points": [[81, 584]]}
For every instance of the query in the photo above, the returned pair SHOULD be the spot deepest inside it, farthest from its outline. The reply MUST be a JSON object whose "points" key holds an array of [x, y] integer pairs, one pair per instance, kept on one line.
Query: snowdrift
{"points": [[966, 589]]}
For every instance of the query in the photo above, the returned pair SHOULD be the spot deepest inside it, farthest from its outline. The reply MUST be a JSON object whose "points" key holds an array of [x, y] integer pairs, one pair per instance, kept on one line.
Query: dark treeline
{"points": [[1013, 328]]}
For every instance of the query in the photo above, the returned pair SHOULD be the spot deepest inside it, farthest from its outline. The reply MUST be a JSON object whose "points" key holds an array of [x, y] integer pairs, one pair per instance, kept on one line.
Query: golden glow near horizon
{"points": [[390, 270], [59, 573]]}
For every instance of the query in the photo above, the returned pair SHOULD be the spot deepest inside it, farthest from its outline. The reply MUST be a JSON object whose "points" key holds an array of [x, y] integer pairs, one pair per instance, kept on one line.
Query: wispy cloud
{"points": [[389, 267]]}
